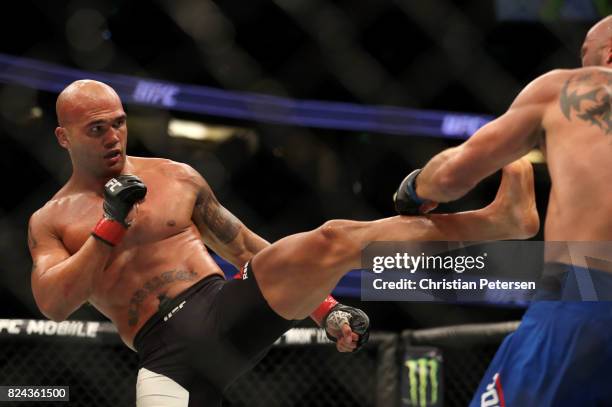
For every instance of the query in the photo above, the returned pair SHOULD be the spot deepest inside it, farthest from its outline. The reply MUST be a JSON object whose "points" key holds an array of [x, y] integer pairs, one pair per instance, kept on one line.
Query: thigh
{"points": [[296, 273], [177, 351], [246, 327]]}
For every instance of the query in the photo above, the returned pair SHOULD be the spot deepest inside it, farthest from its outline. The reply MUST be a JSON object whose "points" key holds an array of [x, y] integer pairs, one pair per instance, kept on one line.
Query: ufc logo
{"points": [[174, 311], [112, 184]]}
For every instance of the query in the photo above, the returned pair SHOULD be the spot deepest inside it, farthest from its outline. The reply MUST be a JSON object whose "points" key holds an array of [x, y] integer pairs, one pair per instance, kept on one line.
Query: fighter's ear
{"points": [[62, 137], [607, 52]]}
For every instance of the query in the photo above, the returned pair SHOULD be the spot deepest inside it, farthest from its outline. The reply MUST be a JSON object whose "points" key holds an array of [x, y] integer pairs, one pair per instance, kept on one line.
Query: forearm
{"points": [[242, 249], [455, 171], [445, 178], [63, 288], [253, 244]]}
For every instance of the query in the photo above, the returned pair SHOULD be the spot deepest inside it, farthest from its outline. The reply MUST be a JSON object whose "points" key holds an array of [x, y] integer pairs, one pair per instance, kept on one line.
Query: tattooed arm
{"points": [[221, 230], [453, 172], [61, 283]]}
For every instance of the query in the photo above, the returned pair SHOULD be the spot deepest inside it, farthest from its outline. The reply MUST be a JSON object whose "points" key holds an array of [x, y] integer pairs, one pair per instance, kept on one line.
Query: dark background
{"points": [[464, 56]]}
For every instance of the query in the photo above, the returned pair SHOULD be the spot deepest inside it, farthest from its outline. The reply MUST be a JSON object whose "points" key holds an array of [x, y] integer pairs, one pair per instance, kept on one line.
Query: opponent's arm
{"points": [[61, 282], [453, 172]]}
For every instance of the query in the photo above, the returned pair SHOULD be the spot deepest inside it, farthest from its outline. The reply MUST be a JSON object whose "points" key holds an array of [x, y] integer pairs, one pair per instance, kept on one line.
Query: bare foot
{"points": [[514, 204]]}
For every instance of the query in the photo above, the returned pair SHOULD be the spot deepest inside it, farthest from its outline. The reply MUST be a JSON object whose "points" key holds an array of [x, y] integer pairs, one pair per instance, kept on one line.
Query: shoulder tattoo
{"points": [[222, 224], [588, 97]]}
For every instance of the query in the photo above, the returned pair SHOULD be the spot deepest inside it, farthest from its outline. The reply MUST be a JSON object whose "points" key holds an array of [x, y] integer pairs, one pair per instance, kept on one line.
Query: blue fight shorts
{"points": [[561, 354]]}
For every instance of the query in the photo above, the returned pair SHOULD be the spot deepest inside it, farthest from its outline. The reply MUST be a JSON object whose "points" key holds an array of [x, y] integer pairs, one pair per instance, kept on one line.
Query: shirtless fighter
{"points": [[146, 268], [562, 352]]}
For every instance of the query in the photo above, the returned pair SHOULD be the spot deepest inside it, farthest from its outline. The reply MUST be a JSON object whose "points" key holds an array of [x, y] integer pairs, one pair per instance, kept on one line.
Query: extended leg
{"points": [[297, 272]]}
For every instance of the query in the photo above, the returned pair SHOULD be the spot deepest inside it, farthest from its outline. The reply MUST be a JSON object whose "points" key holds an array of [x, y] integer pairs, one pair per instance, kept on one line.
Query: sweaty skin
{"points": [[579, 149], [161, 256], [569, 113], [163, 252]]}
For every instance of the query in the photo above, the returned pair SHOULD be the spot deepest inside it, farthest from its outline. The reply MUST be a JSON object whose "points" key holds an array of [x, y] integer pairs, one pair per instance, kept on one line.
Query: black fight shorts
{"points": [[209, 335]]}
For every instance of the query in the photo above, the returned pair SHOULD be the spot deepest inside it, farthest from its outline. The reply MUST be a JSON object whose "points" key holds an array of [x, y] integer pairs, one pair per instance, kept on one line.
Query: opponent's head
{"points": [[597, 46], [92, 127]]}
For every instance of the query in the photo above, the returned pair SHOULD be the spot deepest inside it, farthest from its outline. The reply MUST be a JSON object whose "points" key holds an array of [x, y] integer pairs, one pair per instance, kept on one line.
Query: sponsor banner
{"points": [[93, 330], [303, 336], [34, 327], [421, 378], [50, 77]]}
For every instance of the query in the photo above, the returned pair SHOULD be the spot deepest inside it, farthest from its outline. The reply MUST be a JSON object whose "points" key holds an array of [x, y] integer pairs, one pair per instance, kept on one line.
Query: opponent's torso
{"points": [[161, 255], [579, 154]]}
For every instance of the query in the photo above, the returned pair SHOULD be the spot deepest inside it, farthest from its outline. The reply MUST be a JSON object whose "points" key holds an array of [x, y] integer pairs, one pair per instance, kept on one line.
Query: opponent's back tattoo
{"points": [[595, 90]]}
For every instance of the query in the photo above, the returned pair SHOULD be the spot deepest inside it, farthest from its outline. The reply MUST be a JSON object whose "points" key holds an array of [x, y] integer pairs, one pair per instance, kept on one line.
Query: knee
{"points": [[333, 230], [335, 240]]}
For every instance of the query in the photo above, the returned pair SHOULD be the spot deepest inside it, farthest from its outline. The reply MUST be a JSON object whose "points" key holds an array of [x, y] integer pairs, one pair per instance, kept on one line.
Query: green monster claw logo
{"points": [[423, 374]]}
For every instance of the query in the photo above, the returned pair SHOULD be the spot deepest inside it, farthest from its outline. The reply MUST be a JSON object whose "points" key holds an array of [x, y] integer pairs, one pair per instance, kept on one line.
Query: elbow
{"points": [[52, 311], [50, 302], [56, 318], [56, 315]]}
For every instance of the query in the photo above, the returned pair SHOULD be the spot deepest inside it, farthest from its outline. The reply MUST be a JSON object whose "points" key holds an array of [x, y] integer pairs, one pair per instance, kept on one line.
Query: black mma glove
{"points": [[120, 195], [356, 318], [406, 200]]}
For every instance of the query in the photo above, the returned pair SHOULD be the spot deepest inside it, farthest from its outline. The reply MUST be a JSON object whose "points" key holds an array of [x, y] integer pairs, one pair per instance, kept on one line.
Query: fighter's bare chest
{"points": [[165, 211]]}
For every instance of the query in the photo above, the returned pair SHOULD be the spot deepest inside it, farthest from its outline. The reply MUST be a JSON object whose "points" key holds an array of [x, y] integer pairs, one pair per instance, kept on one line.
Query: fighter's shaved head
{"points": [[602, 28], [598, 43], [80, 96]]}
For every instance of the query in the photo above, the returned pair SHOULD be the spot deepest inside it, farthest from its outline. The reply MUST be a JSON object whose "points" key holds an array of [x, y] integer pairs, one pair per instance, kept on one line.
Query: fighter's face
{"points": [[97, 138]]}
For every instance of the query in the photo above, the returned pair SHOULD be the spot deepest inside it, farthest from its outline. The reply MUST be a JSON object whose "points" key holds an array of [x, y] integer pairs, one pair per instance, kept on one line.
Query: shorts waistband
{"points": [[569, 282], [167, 307], [554, 266]]}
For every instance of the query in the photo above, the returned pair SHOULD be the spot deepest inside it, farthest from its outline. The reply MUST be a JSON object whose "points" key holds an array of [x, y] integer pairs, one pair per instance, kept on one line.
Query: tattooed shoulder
{"points": [[221, 223], [588, 97]]}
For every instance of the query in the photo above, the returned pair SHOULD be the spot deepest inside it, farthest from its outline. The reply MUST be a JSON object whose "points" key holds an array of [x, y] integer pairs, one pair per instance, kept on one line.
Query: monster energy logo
{"points": [[423, 375]]}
